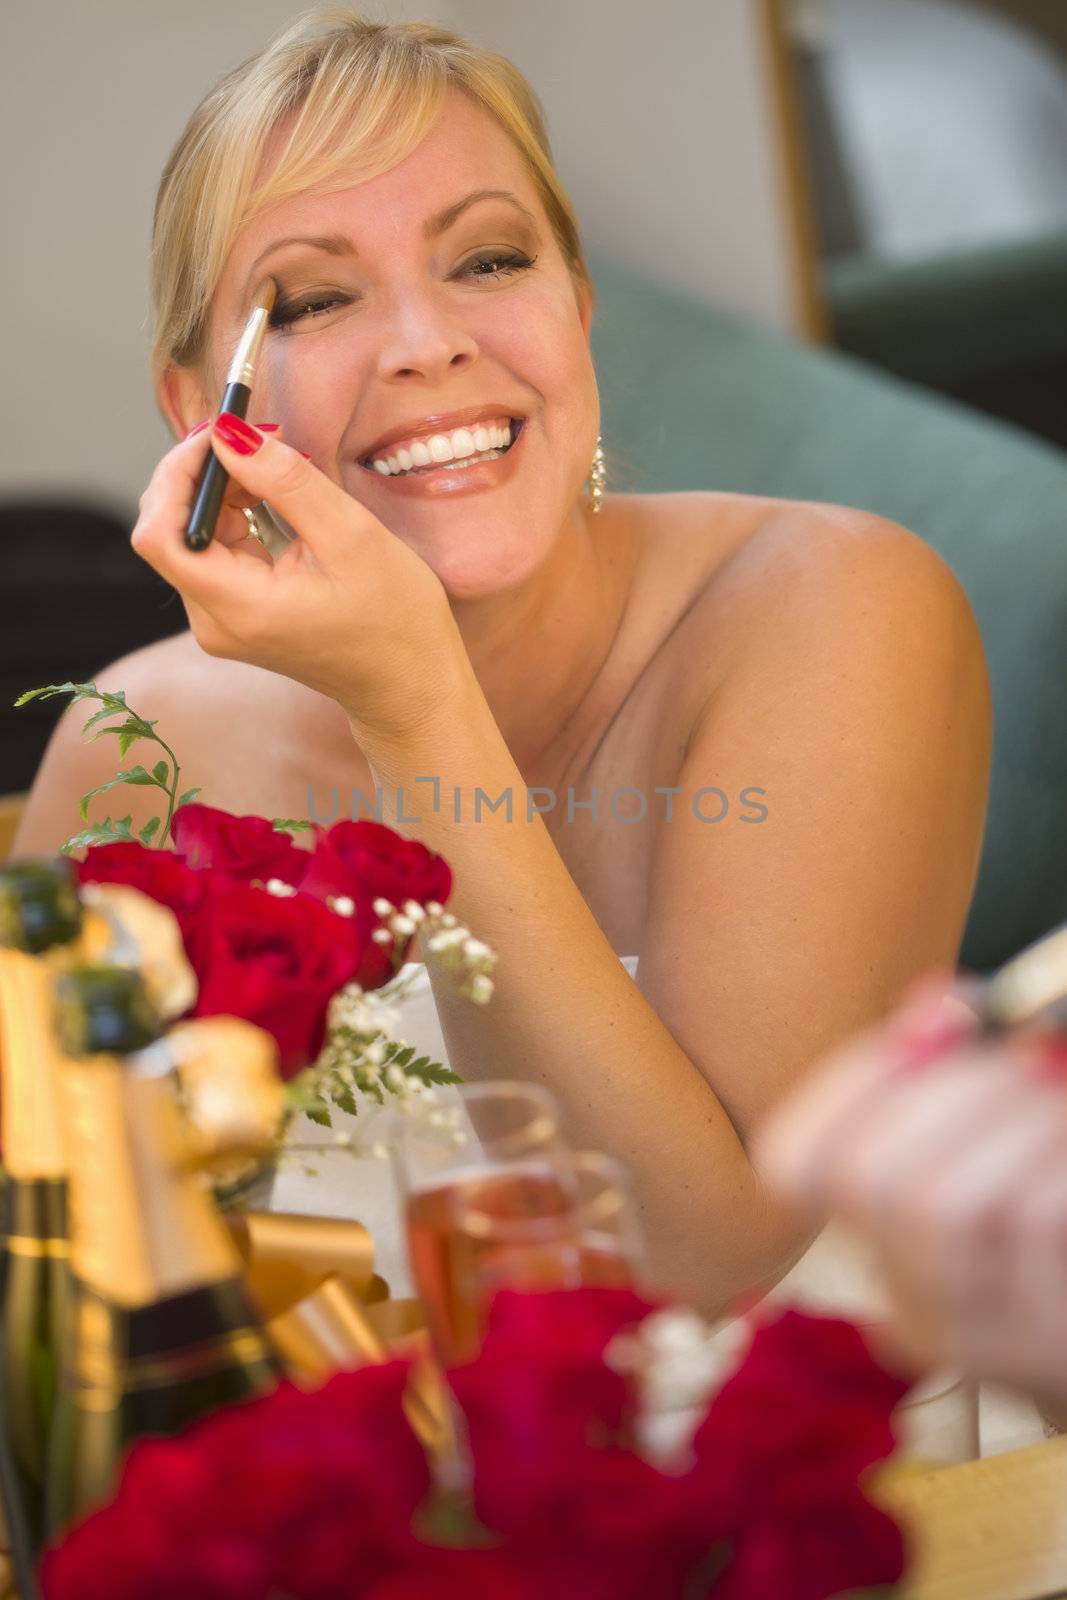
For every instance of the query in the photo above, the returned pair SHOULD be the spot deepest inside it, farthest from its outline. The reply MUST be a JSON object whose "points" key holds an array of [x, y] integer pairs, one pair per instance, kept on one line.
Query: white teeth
{"points": [[442, 448]]}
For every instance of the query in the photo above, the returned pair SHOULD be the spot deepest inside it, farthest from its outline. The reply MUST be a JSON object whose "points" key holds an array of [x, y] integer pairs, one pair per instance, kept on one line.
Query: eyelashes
{"points": [[503, 264]]}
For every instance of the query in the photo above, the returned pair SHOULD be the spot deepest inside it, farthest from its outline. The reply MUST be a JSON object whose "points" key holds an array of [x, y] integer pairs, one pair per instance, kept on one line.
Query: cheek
{"points": [[540, 339], [307, 384]]}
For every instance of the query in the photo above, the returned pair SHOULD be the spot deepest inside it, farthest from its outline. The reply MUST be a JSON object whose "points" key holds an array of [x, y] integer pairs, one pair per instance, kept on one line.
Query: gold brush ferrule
{"points": [[243, 365]]}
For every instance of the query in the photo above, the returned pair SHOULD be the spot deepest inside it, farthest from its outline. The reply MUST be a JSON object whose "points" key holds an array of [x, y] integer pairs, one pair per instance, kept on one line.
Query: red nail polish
{"points": [[268, 427], [305, 453], [198, 429], [237, 433]]}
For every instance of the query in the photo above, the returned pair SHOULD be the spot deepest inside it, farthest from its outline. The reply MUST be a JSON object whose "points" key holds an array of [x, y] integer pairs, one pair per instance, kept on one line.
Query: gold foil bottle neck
{"points": [[230, 1090], [30, 1060], [128, 929], [142, 1226]]}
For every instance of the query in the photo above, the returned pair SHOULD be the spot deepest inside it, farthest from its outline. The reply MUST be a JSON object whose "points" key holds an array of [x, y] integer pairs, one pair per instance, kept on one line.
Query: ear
{"points": [[182, 400]]}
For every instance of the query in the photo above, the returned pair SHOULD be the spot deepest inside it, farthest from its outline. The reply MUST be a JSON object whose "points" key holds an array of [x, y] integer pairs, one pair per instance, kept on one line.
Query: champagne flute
{"points": [[594, 1240], [499, 1145], [612, 1247]]}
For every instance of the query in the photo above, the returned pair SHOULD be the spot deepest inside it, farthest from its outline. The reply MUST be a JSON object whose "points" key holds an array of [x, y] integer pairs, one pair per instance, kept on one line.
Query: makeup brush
{"points": [[1029, 991], [235, 399], [1030, 988]]}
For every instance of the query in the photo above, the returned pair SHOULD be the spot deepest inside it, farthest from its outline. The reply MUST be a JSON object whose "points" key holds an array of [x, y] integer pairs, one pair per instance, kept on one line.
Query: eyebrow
{"points": [[338, 244]]}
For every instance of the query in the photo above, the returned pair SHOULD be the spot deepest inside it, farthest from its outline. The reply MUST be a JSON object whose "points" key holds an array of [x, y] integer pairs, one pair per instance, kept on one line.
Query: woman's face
{"points": [[421, 328]]}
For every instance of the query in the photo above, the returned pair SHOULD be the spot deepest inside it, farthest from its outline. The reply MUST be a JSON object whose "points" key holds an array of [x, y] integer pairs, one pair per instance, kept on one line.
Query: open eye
{"points": [[498, 264]]}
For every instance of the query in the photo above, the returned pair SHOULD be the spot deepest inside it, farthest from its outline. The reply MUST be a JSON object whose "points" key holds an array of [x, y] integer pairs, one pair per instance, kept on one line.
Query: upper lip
{"points": [[424, 427]]}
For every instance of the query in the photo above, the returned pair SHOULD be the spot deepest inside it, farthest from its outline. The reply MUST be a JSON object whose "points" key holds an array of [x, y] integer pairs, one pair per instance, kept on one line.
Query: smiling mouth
{"points": [[457, 464]]}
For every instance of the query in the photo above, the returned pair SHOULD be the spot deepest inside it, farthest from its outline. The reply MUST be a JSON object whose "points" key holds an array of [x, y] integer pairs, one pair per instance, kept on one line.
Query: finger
{"points": [[166, 506], [932, 1020], [844, 1089], [325, 518], [878, 1173], [954, 1223], [178, 475], [1038, 1291]]}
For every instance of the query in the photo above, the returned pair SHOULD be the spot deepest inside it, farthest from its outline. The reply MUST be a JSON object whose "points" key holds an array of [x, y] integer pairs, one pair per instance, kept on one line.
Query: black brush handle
{"points": [[212, 487]]}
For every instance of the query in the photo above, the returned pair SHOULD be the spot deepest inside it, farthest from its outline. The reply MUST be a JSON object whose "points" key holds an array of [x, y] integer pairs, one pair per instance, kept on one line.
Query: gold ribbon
{"points": [[324, 1308]]}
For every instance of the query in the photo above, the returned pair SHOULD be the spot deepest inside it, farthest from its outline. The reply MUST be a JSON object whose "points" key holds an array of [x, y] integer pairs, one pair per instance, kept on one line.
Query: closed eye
{"points": [[284, 315]]}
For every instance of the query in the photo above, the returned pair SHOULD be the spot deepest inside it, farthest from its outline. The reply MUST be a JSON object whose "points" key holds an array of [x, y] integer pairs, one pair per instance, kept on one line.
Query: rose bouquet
{"points": [[306, 944], [327, 1495]]}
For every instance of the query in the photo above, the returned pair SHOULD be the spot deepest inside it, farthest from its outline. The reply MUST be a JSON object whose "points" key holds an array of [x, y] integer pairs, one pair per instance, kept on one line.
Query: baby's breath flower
{"points": [[382, 936], [481, 990], [383, 907], [412, 909], [279, 887], [343, 904], [401, 925]]}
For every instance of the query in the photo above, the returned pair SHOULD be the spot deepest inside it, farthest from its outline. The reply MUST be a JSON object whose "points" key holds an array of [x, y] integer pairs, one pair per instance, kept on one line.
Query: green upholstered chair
{"points": [[697, 400]]}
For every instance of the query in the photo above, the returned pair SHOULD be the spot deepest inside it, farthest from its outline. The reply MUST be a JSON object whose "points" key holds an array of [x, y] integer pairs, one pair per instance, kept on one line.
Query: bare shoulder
{"points": [[774, 576]]}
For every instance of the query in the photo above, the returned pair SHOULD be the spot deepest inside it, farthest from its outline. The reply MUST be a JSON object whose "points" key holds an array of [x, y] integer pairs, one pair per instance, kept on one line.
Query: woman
{"points": [[490, 628], [955, 1178]]}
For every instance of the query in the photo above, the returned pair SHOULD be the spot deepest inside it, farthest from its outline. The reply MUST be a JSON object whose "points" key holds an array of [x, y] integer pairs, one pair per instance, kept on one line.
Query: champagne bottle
{"points": [[160, 1330], [40, 916]]}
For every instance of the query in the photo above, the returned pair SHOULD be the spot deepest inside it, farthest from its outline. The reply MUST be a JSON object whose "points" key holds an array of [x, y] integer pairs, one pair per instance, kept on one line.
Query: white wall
{"points": [[658, 120], [661, 123]]}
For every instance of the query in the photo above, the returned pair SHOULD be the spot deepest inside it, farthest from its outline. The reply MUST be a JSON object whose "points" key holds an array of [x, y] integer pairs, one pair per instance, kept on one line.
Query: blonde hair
{"points": [[364, 94]]}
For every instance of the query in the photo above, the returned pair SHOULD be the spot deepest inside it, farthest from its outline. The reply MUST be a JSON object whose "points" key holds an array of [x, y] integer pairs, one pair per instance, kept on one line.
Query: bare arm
{"points": [[859, 703]]}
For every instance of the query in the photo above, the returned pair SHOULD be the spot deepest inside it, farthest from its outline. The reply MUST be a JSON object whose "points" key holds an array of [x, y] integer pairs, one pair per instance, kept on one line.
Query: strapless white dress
{"points": [[834, 1276]]}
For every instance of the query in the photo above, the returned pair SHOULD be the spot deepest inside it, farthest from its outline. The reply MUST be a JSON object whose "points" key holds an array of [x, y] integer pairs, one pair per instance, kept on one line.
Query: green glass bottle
{"points": [[40, 919], [161, 1330]]}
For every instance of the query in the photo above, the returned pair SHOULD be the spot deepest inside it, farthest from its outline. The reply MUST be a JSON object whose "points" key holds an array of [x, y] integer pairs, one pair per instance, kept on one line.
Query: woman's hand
{"points": [[955, 1173], [347, 608]]}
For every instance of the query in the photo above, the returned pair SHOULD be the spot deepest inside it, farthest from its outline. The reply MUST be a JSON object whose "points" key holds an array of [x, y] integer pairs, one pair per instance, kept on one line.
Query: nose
{"points": [[422, 340]]}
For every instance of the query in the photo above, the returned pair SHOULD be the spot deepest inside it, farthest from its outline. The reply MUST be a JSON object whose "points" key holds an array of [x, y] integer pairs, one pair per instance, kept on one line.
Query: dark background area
{"points": [[72, 582]]}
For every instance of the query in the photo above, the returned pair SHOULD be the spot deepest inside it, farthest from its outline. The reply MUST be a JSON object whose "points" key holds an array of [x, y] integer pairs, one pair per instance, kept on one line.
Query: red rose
{"points": [[276, 961], [538, 1393], [808, 1388], [310, 1495], [160, 874], [449, 1574], [364, 860], [243, 848], [780, 1456], [821, 1539]]}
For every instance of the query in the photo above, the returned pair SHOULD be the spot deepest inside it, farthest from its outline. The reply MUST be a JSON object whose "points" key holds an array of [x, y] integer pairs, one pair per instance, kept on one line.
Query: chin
{"points": [[475, 570]]}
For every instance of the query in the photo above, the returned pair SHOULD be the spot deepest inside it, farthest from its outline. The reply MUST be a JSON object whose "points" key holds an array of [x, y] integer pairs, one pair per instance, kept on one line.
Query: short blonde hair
{"points": [[364, 94]]}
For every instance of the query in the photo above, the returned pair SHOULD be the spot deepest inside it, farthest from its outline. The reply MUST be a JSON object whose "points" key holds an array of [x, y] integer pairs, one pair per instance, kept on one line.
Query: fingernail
{"points": [[238, 434], [268, 427], [305, 453], [932, 1039], [1048, 1058], [198, 429]]}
